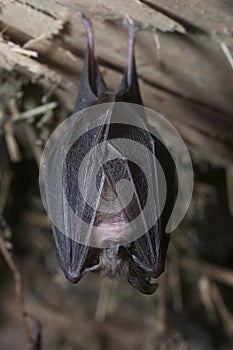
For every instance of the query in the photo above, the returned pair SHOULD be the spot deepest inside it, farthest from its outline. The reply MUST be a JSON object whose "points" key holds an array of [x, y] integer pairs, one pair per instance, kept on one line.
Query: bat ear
{"points": [[91, 82], [128, 89]]}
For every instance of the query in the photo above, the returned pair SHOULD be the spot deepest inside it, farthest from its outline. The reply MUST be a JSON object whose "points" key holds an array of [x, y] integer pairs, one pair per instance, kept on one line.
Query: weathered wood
{"points": [[212, 16], [151, 18], [188, 78]]}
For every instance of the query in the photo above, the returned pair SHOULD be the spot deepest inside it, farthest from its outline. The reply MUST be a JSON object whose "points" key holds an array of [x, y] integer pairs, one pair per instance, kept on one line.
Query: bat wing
{"points": [[74, 258], [146, 254], [77, 259], [71, 256], [149, 251]]}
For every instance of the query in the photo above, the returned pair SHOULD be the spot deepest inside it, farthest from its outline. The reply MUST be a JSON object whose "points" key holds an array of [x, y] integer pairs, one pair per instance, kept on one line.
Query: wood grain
{"points": [[187, 77]]}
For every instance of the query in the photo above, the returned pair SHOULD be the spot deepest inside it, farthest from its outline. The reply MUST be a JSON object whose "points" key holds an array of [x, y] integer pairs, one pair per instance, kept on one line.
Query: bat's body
{"points": [[143, 258]]}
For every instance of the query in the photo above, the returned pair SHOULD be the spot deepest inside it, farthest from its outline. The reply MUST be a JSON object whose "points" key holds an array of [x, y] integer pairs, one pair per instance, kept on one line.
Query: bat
{"points": [[143, 258]]}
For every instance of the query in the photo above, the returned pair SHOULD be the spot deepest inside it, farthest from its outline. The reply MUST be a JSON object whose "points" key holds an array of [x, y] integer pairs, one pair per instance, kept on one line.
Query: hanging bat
{"points": [[143, 258]]}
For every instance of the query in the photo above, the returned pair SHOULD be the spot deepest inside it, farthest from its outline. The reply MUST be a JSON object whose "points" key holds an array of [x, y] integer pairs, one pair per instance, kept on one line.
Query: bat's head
{"points": [[114, 262]]}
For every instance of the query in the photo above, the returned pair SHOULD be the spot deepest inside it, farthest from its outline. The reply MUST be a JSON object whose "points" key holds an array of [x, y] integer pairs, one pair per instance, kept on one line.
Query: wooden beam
{"points": [[186, 77]]}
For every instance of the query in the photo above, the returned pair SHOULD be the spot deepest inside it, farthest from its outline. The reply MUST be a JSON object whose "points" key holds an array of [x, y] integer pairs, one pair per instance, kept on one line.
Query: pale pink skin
{"points": [[112, 229]]}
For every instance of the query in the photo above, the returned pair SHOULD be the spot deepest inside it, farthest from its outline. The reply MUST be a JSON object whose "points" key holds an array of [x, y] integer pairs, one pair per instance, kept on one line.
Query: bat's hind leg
{"points": [[131, 61], [128, 90], [90, 46]]}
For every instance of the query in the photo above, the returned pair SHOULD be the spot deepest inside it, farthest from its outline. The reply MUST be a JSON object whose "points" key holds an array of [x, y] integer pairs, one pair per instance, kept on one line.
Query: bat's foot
{"points": [[132, 29], [88, 26]]}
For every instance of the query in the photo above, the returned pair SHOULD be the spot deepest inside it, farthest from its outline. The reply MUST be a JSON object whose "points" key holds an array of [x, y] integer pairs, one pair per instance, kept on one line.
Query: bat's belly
{"points": [[114, 229], [111, 227]]}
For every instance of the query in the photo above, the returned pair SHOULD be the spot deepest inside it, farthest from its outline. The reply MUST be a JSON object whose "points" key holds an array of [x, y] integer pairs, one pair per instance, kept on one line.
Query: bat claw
{"points": [[82, 16], [88, 26]]}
